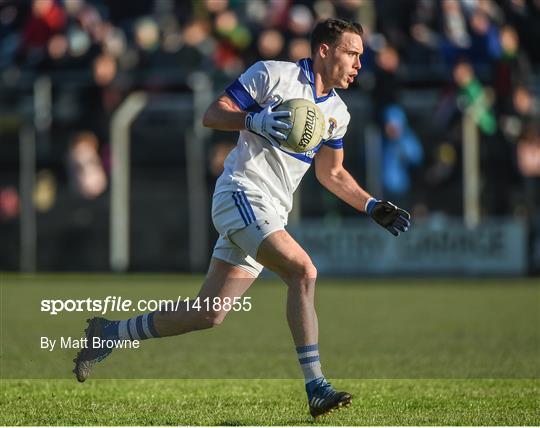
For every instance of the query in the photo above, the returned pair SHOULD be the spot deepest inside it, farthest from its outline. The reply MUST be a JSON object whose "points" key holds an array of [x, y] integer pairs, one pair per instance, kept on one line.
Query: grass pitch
{"points": [[267, 402], [412, 352]]}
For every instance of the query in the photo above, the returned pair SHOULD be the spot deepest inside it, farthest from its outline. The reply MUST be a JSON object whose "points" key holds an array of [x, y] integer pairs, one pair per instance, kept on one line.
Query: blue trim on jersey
{"points": [[240, 210], [250, 209], [151, 326], [334, 144], [242, 97], [139, 326], [307, 348], [306, 64], [302, 156], [299, 156]]}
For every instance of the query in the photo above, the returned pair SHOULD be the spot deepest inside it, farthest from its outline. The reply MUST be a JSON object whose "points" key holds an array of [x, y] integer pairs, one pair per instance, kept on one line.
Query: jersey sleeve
{"points": [[336, 141], [251, 89]]}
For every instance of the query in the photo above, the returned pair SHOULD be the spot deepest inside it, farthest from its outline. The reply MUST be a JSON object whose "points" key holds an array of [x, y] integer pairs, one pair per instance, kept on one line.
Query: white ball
{"points": [[307, 122]]}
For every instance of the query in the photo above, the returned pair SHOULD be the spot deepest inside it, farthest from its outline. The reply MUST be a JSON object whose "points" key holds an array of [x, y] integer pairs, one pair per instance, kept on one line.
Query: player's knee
{"points": [[309, 271], [303, 272], [306, 271]]}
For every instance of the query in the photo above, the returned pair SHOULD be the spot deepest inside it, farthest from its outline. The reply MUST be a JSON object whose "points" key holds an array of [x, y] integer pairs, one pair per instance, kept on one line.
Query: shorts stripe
{"points": [[237, 203], [249, 206], [243, 200]]}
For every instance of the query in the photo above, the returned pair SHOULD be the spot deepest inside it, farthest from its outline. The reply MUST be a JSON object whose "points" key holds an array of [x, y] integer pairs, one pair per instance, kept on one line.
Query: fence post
{"points": [[196, 167], [121, 122], [471, 171], [27, 179]]}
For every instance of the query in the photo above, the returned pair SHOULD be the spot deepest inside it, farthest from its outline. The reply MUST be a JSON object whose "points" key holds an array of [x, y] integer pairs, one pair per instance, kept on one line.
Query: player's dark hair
{"points": [[330, 30]]}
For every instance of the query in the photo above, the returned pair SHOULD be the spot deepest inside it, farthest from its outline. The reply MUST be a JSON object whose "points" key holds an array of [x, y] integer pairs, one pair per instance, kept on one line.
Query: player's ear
{"points": [[323, 49]]}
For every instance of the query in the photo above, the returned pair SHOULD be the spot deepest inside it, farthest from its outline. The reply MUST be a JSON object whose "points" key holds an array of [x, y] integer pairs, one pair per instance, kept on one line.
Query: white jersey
{"points": [[255, 164]]}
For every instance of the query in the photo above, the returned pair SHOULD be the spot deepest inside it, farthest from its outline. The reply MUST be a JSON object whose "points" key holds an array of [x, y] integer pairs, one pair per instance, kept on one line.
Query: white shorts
{"points": [[243, 220]]}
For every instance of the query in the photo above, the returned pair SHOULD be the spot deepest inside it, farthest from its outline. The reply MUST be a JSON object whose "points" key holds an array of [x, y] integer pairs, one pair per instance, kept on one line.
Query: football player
{"points": [[254, 195]]}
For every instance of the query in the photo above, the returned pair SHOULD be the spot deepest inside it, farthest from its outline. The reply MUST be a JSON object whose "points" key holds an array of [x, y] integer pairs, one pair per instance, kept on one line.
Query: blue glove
{"points": [[392, 218]]}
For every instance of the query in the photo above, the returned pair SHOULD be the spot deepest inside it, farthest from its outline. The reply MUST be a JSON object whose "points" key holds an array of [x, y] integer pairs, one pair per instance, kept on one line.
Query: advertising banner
{"points": [[444, 246]]}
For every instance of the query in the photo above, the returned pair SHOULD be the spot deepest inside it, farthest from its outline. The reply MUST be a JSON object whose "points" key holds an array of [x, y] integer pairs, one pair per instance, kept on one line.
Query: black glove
{"points": [[392, 218]]}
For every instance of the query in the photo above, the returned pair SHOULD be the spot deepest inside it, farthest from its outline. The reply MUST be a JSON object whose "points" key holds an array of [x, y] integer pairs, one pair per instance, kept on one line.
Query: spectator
{"points": [[270, 44], [45, 190], [528, 158], [157, 44], [472, 97], [512, 69], [86, 172], [401, 150], [9, 204], [455, 39], [528, 151], [47, 19], [524, 109], [387, 85], [484, 35], [299, 48]]}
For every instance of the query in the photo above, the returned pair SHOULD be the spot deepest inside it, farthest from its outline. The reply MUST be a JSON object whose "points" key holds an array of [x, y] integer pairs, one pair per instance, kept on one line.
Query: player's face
{"points": [[342, 61]]}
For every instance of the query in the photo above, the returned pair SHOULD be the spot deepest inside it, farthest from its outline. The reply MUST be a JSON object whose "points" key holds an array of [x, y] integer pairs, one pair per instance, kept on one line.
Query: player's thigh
{"points": [[280, 253], [225, 280]]}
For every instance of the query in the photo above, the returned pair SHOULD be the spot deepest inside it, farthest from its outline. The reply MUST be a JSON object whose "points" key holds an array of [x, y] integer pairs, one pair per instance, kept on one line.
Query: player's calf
{"points": [[172, 323], [204, 319]]}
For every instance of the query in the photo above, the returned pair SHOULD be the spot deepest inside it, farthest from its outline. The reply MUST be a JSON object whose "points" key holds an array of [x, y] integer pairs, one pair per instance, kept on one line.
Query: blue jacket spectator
{"points": [[401, 149]]}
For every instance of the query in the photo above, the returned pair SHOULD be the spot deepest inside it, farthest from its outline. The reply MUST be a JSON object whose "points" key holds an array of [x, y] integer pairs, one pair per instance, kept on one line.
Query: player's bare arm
{"points": [[332, 175], [224, 115]]}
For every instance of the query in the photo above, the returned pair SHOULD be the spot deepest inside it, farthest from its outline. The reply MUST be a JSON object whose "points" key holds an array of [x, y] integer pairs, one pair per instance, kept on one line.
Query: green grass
{"points": [[267, 402], [412, 352]]}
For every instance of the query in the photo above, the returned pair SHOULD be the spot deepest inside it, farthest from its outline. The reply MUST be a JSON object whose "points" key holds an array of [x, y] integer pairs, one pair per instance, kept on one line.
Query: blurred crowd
{"points": [[481, 55], [228, 35]]}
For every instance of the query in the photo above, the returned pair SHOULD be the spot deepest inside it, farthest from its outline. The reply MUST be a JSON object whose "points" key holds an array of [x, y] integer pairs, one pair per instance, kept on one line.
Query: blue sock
{"points": [[309, 359], [140, 327]]}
